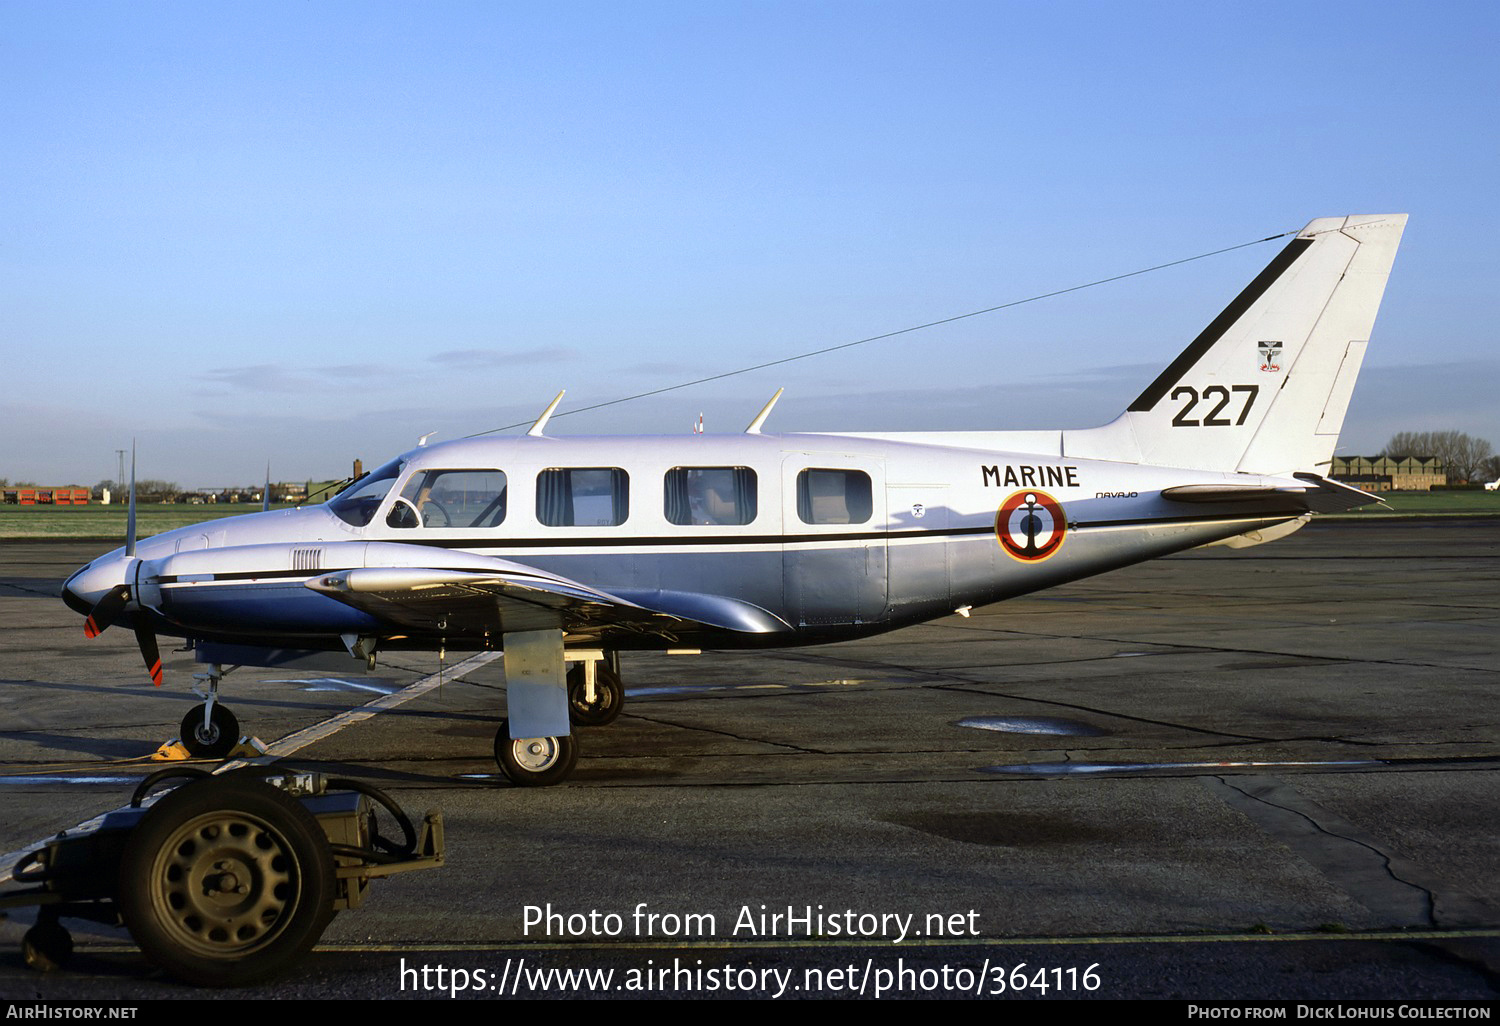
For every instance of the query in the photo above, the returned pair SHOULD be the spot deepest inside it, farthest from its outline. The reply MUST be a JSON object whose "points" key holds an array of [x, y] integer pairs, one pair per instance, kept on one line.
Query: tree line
{"points": [[1465, 457]]}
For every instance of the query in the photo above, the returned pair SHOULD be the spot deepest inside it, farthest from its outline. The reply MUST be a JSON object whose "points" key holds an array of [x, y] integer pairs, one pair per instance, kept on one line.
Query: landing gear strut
{"points": [[595, 692], [212, 731], [546, 700]]}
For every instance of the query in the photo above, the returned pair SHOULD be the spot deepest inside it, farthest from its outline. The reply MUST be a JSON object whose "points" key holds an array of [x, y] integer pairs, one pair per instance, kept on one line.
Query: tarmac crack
{"points": [[1334, 847], [1074, 706], [51, 592], [726, 733], [947, 681], [1353, 660]]}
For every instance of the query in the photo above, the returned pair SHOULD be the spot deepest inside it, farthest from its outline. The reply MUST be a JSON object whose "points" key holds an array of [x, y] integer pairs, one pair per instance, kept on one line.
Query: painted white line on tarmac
{"points": [[293, 742]]}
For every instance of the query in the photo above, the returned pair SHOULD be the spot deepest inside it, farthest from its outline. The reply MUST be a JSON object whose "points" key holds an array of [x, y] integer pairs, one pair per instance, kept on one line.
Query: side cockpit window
{"points": [[450, 498], [357, 503]]}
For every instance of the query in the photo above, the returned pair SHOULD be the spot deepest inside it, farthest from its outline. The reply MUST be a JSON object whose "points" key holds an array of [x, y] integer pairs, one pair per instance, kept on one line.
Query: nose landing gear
{"points": [[214, 739], [212, 731]]}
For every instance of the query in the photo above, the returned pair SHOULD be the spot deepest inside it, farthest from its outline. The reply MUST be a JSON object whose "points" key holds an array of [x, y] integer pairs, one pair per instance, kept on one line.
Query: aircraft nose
{"points": [[91, 582], [73, 600]]}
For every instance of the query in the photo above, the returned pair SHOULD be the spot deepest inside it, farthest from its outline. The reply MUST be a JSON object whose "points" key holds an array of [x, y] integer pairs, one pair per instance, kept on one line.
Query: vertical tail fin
{"points": [[1264, 388]]}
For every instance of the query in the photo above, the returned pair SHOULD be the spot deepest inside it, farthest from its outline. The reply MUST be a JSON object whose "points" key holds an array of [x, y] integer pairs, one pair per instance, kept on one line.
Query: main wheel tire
{"points": [[226, 881], [609, 696], [215, 742], [535, 761]]}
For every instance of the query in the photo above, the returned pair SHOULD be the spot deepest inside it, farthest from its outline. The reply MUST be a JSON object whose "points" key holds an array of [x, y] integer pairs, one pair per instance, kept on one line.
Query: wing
{"points": [[506, 597]]}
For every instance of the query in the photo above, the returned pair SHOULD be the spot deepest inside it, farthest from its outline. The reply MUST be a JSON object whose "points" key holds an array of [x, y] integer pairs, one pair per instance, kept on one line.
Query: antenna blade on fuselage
{"points": [[541, 422], [765, 411]]}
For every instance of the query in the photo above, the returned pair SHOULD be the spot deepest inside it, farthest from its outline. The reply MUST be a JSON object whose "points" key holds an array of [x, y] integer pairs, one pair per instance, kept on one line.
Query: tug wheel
{"points": [[217, 740], [226, 881], [535, 761], [609, 696]]}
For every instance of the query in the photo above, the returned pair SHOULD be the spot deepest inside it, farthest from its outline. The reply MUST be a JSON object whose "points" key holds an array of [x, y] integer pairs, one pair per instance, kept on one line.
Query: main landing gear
{"points": [[595, 692], [535, 761], [596, 695]]}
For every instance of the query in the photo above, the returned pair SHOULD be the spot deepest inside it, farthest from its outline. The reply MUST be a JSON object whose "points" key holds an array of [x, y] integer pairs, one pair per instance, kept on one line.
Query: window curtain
{"points": [[679, 509], [744, 494], [619, 491], [804, 497], [554, 498]]}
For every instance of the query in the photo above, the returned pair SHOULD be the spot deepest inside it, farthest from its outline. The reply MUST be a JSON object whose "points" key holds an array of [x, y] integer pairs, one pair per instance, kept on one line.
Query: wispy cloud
{"points": [[261, 377], [279, 378], [357, 370], [661, 369], [486, 359]]}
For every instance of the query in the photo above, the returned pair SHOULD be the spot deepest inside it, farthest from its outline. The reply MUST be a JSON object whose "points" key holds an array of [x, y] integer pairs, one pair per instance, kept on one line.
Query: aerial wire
{"points": [[893, 334]]}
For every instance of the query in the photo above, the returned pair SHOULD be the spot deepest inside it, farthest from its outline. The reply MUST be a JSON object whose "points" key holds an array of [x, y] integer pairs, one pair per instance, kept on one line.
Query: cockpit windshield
{"points": [[357, 504]]}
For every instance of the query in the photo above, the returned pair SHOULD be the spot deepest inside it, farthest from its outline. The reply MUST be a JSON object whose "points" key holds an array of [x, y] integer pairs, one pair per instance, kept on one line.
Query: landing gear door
{"points": [[834, 558]]}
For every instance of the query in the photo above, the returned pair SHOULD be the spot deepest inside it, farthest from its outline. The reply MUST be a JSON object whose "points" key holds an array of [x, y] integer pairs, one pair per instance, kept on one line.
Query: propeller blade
{"points": [[130, 516], [105, 611], [151, 653]]}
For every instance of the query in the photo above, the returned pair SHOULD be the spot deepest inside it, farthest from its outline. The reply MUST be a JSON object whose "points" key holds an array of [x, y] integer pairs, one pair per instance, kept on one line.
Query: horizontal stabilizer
{"points": [[1227, 492], [1315, 494], [1327, 496]]}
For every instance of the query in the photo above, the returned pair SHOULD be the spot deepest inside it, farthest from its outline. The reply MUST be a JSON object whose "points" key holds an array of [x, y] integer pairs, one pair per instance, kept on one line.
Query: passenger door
{"points": [[834, 552]]}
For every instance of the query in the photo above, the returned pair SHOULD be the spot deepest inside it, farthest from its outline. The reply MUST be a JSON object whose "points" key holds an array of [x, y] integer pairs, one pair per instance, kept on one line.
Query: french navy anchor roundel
{"points": [[1031, 525]]}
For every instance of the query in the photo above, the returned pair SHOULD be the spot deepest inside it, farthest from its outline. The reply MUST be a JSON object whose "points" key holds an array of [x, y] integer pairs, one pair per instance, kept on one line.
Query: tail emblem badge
{"points": [[1270, 356]]}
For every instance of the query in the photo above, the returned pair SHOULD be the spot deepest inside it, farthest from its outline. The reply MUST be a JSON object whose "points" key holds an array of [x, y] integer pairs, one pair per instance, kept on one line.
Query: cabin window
{"points": [[833, 496], [582, 496], [357, 503], [450, 498], [710, 495]]}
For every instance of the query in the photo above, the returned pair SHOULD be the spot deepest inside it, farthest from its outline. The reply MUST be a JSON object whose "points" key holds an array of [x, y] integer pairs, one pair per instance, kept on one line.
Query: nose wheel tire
{"points": [[535, 761], [609, 696], [226, 881], [217, 739]]}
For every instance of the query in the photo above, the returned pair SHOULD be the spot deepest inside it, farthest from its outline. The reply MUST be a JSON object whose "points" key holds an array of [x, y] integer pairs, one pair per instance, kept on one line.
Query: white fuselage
{"points": [[918, 535]]}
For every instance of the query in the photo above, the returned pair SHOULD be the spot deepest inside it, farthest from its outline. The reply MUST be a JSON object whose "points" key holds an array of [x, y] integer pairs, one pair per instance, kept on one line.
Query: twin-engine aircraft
{"points": [[565, 552]]}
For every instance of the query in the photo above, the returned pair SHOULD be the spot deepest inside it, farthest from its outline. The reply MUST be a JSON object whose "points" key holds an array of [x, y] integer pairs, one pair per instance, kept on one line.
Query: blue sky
{"points": [[309, 232]]}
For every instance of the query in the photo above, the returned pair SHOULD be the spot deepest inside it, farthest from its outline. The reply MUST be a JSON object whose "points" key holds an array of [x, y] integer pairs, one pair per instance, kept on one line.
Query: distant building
{"points": [[1384, 474]]}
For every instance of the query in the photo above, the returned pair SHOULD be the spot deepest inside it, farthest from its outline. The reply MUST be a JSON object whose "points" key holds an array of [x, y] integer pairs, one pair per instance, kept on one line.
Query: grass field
{"points": [[1475, 503], [107, 523]]}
